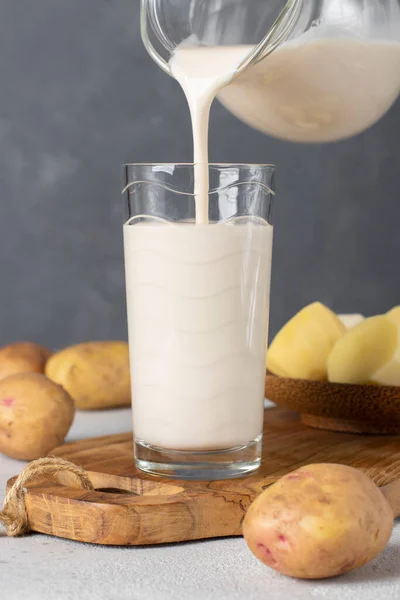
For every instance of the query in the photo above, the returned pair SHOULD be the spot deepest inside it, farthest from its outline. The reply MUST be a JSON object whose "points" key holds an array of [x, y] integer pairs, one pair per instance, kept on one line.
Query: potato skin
{"points": [[23, 357], [35, 415], [319, 521], [95, 374]]}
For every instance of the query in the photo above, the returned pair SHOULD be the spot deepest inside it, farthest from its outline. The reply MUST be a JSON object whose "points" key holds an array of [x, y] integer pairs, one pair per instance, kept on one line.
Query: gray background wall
{"points": [[79, 96]]}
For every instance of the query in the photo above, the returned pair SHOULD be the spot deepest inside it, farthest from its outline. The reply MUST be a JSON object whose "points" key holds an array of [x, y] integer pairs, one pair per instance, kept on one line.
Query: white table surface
{"points": [[39, 567]]}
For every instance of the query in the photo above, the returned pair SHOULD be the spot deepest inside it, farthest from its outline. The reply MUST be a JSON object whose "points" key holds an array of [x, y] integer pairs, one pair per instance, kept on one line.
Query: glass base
{"points": [[205, 465]]}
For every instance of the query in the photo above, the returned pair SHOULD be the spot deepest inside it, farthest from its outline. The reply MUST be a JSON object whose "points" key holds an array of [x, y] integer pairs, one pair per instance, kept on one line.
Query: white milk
{"points": [[198, 316], [317, 90]]}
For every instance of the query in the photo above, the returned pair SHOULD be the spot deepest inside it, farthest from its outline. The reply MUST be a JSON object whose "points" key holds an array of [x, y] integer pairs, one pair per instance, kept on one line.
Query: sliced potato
{"points": [[367, 353], [302, 346], [351, 320]]}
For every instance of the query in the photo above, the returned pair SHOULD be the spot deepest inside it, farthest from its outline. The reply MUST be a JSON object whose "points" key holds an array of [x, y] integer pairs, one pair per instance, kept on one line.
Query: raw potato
{"points": [[394, 315], [301, 348], [35, 415], [22, 357], [319, 521], [368, 353], [351, 320], [95, 374]]}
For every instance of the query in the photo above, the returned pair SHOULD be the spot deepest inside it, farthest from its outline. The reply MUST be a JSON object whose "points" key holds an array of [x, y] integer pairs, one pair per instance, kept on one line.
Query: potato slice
{"points": [[394, 315], [368, 353], [301, 348], [351, 320]]}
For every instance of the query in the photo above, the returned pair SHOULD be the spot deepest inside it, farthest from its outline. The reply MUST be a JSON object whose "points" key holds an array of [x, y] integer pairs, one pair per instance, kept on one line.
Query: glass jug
{"points": [[315, 71]]}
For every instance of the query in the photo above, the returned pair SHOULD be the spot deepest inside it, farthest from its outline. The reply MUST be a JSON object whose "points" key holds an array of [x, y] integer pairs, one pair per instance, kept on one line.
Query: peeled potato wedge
{"points": [[394, 315], [301, 348], [368, 353], [351, 320]]}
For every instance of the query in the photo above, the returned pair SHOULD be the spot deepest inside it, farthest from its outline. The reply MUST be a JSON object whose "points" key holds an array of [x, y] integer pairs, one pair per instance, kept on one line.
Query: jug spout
{"points": [[260, 25]]}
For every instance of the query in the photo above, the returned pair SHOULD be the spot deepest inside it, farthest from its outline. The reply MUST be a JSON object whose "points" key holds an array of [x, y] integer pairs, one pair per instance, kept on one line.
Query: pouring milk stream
{"points": [[203, 72]]}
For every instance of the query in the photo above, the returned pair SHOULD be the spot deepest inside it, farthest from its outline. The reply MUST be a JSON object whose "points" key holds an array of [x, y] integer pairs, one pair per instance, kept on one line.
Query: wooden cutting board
{"points": [[130, 508]]}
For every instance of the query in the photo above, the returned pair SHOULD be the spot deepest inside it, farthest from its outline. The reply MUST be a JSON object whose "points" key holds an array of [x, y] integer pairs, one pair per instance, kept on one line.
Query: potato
{"points": [[319, 521], [301, 348], [394, 315], [22, 357], [351, 320], [95, 374], [35, 415], [368, 353]]}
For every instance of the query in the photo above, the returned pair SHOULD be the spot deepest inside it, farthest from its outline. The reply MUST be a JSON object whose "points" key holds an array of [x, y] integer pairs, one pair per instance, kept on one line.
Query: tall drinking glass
{"points": [[198, 304]]}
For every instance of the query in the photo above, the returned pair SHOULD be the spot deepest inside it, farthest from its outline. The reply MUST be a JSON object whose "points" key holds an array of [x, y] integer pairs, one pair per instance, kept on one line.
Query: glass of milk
{"points": [[198, 304]]}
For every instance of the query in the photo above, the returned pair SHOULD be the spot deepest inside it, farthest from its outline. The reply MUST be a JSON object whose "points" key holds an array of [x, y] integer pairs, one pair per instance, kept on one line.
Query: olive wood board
{"points": [[131, 508]]}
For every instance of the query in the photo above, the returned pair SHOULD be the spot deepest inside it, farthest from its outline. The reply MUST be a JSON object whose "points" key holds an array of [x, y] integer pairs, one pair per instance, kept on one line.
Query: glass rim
{"points": [[193, 164], [262, 168]]}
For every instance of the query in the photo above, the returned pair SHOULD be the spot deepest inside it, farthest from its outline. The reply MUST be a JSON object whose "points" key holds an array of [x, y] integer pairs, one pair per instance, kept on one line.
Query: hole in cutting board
{"points": [[163, 490], [115, 491]]}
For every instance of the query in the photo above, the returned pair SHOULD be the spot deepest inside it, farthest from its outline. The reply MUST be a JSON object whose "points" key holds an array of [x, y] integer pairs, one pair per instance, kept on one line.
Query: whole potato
{"points": [[319, 521], [23, 357], [95, 374], [35, 415]]}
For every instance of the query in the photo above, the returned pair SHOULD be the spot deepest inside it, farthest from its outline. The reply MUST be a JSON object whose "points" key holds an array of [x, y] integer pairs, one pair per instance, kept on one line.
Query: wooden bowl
{"points": [[338, 406]]}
